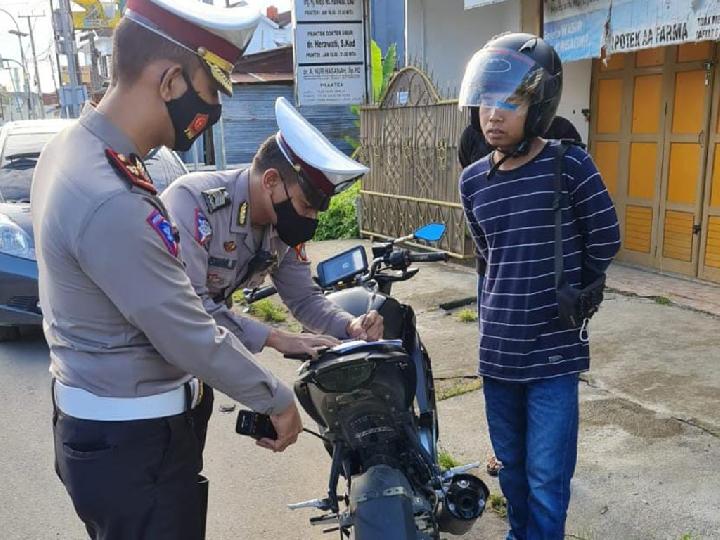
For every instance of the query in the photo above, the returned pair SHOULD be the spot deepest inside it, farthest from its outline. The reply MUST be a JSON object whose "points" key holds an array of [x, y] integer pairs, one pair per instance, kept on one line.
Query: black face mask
{"points": [[190, 116], [292, 228]]}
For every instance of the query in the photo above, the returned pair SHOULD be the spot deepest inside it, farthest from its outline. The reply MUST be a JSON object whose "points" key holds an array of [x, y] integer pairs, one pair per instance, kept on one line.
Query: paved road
{"points": [[249, 486], [649, 443]]}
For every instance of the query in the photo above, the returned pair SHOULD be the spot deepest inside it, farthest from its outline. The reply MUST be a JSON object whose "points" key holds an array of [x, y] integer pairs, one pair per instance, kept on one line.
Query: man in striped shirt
{"points": [[529, 363]]}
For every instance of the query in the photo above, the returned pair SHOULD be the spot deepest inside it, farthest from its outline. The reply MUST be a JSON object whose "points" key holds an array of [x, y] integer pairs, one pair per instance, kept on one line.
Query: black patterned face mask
{"points": [[190, 116], [292, 228]]}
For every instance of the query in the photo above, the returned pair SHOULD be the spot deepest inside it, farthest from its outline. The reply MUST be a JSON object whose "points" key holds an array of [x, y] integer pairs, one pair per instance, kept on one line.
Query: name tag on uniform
{"points": [[222, 263]]}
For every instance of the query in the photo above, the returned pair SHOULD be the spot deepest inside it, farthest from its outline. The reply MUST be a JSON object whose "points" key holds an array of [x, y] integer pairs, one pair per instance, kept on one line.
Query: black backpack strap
{"points": [[558, 198]]}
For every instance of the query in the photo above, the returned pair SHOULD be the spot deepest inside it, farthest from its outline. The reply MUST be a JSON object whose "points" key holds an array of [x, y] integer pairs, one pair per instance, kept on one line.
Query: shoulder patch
{"points": [[132, 169], [203, 229], [216, 198], [164, 230], [300, 252]]}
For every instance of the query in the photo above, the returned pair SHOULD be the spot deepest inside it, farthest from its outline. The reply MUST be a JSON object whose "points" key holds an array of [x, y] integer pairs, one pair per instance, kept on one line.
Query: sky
{"points": [[44, 47]]}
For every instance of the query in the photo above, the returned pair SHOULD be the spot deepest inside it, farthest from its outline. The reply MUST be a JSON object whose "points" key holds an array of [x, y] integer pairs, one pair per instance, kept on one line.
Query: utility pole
{"points": [[23, 60], [19, 35], [35, 62], [59, 84], [65, 44], [89, 39], [16, 83], [71, 51]]}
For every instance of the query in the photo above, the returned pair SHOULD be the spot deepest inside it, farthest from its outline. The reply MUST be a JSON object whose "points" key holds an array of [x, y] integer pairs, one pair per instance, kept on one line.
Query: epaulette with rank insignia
{"points": [[132, 169], [216, 198]]}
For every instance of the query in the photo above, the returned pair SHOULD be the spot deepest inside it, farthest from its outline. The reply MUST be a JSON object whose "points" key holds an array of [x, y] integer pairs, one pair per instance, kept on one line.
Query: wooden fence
{"points": [[410, 142]]}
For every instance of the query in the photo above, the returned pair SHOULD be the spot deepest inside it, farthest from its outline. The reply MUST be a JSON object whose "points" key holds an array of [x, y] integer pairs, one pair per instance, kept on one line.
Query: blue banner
{"points": [[657, 23], [579, 36], [582, 28]]}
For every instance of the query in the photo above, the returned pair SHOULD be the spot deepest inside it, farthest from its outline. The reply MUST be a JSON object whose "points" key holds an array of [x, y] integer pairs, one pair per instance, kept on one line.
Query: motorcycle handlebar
{"points": [[258, 294], [428, 257]]}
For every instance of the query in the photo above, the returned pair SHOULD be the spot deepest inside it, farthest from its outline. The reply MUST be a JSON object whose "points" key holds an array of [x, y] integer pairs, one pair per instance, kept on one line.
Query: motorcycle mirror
{"points": [[432, 232]]}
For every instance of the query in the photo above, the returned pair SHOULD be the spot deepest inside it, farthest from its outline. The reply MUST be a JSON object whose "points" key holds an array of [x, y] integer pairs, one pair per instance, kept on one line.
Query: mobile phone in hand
{"points": [[255, 425]]}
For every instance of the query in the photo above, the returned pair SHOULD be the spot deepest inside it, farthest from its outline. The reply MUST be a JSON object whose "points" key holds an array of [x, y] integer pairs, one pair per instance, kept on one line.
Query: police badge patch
{"points": [[203, 230], [215, 199], [164, 230]]}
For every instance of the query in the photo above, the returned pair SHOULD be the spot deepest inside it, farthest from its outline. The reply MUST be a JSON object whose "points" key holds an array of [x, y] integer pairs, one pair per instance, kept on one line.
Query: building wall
{"points": [[249, 118], [443, 35], [656, 141], [388, 25], [577, 78]]}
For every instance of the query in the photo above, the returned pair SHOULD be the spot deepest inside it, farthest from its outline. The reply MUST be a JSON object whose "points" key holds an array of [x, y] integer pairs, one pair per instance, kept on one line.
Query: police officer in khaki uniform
{"points": [[129, 339], [239, 226]]}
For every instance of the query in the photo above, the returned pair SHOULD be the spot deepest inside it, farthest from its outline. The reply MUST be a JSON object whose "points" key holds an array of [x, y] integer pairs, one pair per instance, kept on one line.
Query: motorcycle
{"points": [[374, 403]]}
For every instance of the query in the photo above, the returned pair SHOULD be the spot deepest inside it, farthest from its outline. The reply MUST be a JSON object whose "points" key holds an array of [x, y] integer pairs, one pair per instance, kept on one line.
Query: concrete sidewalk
{"points": [[684, 292], [458, 281], [650, 405]]}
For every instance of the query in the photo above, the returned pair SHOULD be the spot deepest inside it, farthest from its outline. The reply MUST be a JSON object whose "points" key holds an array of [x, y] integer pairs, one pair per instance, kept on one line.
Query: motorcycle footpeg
{"points": [[323, 520], [321, 504], [461, 469]]}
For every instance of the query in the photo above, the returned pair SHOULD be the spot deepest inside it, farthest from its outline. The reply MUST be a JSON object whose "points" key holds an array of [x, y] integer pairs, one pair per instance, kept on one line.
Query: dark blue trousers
{"points": [[533, 429]]}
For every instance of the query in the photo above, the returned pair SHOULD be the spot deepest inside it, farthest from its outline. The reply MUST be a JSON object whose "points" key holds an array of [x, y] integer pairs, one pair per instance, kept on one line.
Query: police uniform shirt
{"points": [[120, 315], [212, 211]]}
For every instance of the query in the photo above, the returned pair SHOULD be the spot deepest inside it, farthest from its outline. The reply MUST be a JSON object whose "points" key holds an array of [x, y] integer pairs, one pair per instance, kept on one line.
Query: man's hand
{"points": [[288, 426], [368, 327], [287, 343]]}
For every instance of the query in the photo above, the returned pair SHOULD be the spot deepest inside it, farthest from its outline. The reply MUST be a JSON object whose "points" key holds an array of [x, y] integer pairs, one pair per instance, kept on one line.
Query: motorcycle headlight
{"points": [[14, 241]]}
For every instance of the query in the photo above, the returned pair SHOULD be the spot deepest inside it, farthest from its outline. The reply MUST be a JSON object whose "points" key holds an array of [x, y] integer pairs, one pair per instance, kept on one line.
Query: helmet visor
{"points": [[501, 78]]}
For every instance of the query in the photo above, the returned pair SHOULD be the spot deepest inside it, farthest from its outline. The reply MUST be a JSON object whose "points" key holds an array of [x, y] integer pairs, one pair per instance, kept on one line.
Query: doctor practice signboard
{"points": [[330, 52]]}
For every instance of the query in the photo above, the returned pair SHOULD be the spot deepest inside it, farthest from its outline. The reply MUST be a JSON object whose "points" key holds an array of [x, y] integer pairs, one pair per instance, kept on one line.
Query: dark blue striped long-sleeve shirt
{"points": [[512, 221]]}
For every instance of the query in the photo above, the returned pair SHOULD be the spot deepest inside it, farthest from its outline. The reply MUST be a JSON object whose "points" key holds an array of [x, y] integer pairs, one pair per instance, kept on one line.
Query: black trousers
{"points": [[136, 480]]}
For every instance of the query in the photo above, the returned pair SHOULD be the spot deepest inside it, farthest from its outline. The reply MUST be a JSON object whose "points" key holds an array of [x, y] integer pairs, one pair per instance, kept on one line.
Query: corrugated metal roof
{"points": [[261, 78], [278, 60]]}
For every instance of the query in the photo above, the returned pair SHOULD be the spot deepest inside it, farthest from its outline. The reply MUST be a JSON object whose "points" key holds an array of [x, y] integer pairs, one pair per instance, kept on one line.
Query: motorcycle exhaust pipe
{"points": [[465, 500]]}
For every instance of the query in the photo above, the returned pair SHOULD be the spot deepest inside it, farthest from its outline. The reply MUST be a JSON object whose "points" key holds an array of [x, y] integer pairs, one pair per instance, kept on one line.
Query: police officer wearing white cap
{"points": [[130, 341], [238, 226]]}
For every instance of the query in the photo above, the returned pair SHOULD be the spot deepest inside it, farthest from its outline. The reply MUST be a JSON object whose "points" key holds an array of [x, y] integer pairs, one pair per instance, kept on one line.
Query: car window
{"points": [[19, 157], [21, 152], [164, 167]]}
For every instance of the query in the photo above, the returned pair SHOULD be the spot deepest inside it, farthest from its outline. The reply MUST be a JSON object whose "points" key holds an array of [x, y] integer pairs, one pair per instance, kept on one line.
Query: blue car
{"points": [[20, 147]]}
